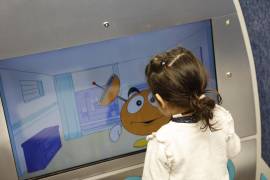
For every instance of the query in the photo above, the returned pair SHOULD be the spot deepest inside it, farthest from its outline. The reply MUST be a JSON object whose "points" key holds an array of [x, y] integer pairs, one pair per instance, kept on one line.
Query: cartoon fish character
{"points": [[139, 113]]}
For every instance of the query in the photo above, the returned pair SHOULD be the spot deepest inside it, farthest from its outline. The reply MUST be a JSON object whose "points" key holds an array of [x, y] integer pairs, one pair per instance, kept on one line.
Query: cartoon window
{"points": [[31, 89]]}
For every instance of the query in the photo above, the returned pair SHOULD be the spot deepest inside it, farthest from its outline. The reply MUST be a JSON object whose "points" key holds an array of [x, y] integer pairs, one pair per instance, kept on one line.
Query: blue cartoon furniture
{"points": [[40, 149]]}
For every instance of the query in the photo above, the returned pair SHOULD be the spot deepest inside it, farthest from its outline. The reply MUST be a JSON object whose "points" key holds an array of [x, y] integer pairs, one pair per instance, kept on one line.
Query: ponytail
{"points": [[203, 110]]}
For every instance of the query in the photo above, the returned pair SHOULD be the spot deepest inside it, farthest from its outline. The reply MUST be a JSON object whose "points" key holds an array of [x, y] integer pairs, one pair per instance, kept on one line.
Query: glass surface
{"points": [[52, 107]]}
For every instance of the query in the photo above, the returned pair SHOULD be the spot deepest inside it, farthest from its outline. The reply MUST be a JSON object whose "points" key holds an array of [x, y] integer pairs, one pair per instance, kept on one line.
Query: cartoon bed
{"points": [[40, 149]]}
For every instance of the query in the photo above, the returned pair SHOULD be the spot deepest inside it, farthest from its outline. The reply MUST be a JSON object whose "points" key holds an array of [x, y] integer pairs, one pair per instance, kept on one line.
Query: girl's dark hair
{"points": [[181, 79]]}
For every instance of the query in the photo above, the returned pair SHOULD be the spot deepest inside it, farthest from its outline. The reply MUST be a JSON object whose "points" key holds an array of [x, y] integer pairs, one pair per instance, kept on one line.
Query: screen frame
{"points": [[211, 54], [128, 160], [134, 153]]}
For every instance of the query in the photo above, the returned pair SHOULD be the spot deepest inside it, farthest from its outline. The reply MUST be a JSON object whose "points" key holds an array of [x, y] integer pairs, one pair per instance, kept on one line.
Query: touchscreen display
{"points": [[79, 105]]}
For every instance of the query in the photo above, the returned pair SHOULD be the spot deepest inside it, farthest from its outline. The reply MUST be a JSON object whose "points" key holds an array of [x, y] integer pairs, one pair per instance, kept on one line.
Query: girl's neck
{"points": [[178, 110]]}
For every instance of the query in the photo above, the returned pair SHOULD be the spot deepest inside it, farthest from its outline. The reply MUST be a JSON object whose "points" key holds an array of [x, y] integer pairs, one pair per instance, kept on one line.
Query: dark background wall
{"points": [[257, 17]]}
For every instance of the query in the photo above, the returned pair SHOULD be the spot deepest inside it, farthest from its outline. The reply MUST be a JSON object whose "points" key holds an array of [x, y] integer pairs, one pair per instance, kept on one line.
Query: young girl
{"points": [[200, 138]]}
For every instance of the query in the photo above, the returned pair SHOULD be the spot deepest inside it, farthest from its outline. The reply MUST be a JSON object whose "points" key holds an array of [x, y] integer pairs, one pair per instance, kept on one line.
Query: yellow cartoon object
{"points": [[140, 143]]}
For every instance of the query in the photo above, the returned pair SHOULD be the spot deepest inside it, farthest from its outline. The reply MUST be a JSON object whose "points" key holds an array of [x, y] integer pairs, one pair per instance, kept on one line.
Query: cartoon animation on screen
{"points": [[139, 114]]}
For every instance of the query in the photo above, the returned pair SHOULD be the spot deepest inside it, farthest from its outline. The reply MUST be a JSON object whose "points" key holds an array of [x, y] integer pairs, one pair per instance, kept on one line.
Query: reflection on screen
{"points": [[52, 108]]}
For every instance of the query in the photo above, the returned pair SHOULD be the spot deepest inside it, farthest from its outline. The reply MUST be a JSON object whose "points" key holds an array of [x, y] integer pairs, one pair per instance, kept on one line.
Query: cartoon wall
{"points": [[257, 16], [28, 114], [52, 107]]}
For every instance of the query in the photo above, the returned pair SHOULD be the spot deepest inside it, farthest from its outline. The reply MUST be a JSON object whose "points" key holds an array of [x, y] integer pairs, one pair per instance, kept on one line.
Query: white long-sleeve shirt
{"points": [[182, 151]]}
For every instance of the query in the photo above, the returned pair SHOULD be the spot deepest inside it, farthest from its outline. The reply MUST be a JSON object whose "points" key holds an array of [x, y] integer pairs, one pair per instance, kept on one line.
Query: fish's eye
{"points": [[139, 102], [135, 104], [152, 100]]}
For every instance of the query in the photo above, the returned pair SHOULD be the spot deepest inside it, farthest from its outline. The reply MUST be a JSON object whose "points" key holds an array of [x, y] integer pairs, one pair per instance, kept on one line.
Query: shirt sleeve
{"points": [[157, 163], [232, 139]]}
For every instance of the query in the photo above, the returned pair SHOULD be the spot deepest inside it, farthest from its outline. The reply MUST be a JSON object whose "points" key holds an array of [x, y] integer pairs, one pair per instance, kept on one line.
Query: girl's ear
{"points": [[160, 100]]}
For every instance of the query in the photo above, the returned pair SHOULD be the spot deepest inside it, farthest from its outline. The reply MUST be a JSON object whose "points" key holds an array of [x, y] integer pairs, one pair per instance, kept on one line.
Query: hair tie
{"points": [[175, 59], [202, 96], [163, 63]]}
